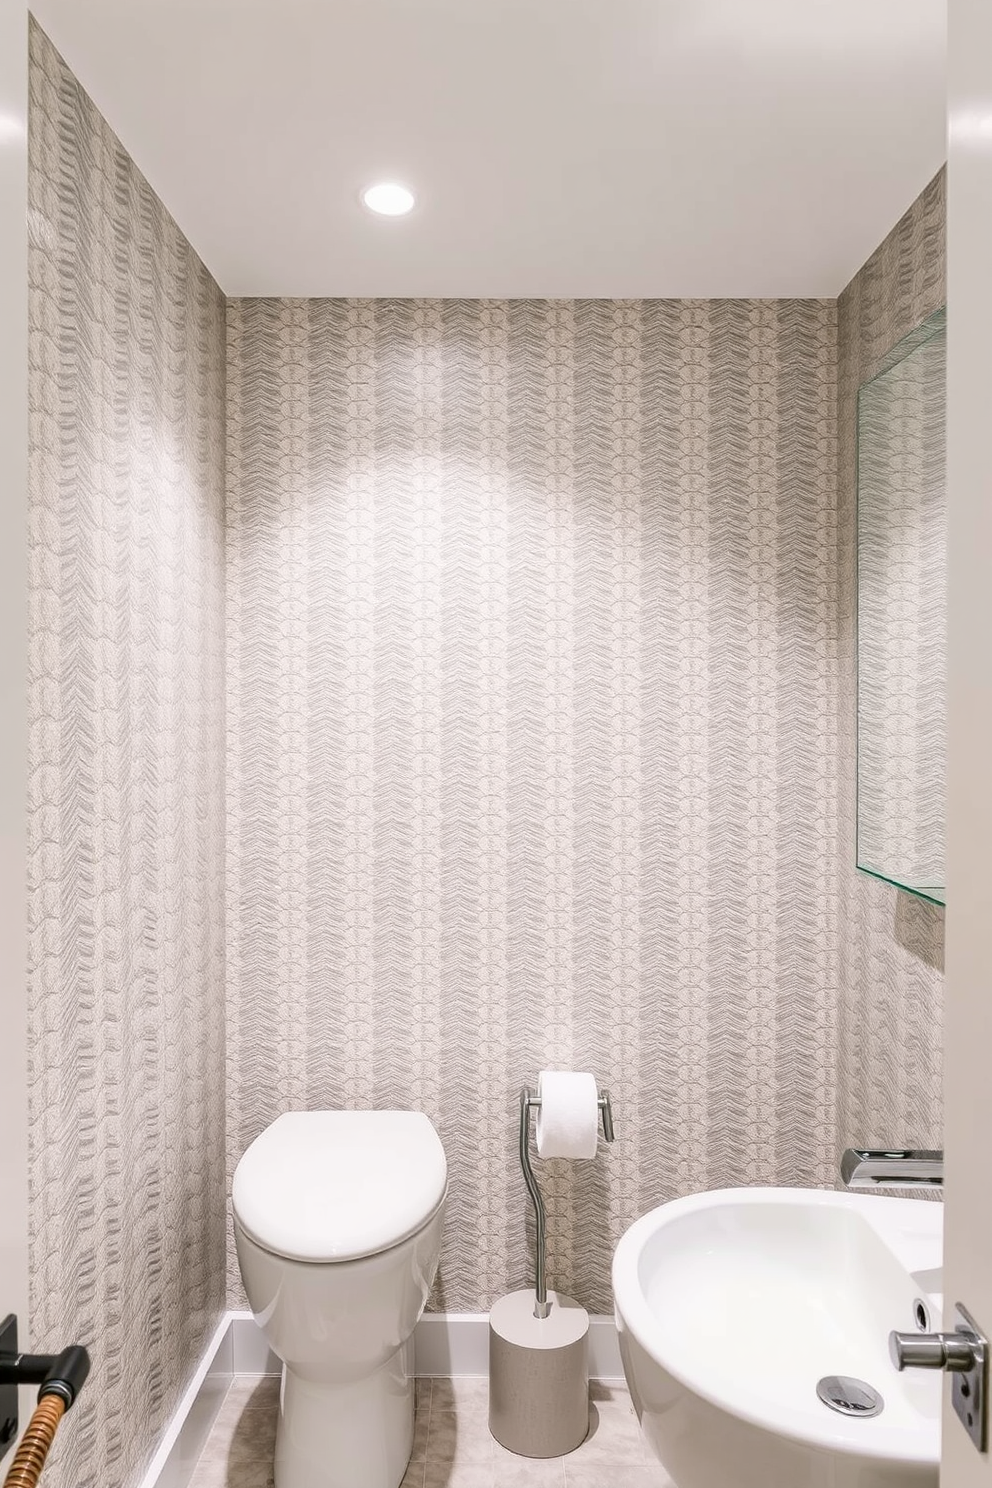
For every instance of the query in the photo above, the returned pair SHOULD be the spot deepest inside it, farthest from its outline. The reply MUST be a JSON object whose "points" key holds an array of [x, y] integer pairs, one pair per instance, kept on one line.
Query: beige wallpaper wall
{"points": [[892, 946], [126, 791], [532, 676]]}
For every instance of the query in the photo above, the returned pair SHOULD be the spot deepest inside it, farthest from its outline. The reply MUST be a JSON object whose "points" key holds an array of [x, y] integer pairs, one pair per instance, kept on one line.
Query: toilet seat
{"points": [[327, 1186]]}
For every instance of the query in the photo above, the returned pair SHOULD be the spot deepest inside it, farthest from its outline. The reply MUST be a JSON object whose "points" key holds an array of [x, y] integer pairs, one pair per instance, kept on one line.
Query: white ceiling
{"points": [[558, 147]]}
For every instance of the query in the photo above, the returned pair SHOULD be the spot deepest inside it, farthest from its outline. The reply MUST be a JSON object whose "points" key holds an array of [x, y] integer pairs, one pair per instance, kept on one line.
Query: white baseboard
{"points": [[454, 1345], [449, 1345], [605, 1363], [184, 1437]]}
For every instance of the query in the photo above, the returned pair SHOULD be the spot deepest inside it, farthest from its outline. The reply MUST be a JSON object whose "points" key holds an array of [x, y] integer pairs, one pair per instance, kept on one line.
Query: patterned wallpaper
{"points": [[126, 792], [532, 742], [892, 945]]}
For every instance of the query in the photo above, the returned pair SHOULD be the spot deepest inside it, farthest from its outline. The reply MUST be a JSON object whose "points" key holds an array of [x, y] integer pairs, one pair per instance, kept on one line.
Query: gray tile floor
{"points": [[452, 1444]]}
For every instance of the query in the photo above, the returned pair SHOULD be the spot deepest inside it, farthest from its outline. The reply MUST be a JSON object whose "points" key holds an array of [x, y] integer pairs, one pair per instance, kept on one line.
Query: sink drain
{"points": [[851, 1397]]}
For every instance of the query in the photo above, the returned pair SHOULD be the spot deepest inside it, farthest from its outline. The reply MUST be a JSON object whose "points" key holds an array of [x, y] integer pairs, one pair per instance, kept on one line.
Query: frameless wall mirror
{"points": [[902, 615]]}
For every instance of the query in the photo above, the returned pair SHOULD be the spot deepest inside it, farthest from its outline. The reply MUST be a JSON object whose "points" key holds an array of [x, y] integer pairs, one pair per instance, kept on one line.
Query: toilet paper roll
{"points": [[568, 1118]]}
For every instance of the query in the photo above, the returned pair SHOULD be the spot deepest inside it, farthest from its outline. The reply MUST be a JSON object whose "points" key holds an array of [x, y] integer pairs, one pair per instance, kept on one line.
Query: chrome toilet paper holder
{"points": [[530, 1102]]}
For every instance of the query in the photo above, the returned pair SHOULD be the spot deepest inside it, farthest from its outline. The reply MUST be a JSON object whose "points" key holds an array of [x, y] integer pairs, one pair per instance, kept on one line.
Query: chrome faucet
{"points": [[905, 1167]]}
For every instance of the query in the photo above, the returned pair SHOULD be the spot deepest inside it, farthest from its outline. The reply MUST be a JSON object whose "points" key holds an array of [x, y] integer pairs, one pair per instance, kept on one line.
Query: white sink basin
{"points": [[732, 1306]]}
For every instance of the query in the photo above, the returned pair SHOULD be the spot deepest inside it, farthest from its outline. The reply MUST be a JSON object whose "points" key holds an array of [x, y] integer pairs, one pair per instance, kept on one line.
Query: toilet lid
{"points": [[337, 1185]]}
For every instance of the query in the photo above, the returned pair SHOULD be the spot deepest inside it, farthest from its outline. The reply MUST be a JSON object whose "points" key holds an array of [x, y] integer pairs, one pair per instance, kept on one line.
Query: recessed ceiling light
{"points": [[388, 199]]}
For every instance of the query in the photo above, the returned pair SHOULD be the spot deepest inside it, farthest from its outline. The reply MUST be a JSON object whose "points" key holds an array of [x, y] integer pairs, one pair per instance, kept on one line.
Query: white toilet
{"points": [[337, 1218]]}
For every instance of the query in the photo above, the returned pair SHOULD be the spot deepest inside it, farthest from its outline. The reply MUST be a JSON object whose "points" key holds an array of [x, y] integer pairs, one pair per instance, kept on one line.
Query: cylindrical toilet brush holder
{"points": [[538, 1375]]}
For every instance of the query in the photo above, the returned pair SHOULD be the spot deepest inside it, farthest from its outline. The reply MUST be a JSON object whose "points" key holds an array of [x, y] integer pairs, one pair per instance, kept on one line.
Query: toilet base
{"points": [[354, 1435]]}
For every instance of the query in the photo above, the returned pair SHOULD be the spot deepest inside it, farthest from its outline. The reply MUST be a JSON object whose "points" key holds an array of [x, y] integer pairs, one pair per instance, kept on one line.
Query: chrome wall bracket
{"points": [[528, 1103], [965, 1355]]}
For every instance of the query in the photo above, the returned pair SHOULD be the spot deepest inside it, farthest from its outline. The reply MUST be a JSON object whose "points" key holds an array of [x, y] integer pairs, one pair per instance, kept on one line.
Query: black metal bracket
{"points": [[61, 1374], [8, 1392]]}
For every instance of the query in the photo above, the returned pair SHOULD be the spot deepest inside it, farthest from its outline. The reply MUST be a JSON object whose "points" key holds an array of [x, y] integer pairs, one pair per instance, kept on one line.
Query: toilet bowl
{"points": [[337, 1221]]}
